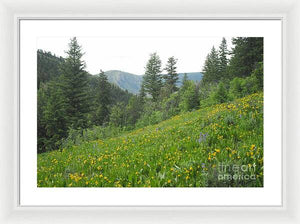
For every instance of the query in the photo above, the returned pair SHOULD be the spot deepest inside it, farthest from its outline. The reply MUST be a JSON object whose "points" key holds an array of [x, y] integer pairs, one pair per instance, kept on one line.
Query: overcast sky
{"points": [[130, 54]]}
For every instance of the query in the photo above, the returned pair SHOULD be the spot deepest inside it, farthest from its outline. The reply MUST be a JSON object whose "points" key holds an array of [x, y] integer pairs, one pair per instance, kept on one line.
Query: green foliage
{"points": [[118, 95], [184, 80], [223, 60], [77, 137], [240, 87], [52, 123], [185, 151], [152, 80], [75, 87], [170, 106], [58, 88], [134, 109], [152, 118], [151, 114], [103, 100], [75, 107], [42, 97], [220, 95], [237, 86], [171, 77], [188, 96], [117, 116], [142, 93], [258, 73], [246, 54], [211, 69], [48, 66], [95, 123]]}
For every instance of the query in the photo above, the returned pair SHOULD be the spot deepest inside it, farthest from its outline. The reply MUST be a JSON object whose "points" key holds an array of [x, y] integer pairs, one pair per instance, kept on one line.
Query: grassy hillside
{"points": [[196, 149]]}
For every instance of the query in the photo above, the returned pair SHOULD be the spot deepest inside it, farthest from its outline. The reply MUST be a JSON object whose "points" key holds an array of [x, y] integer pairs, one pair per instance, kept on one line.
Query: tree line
{"points": [[73, 104]]}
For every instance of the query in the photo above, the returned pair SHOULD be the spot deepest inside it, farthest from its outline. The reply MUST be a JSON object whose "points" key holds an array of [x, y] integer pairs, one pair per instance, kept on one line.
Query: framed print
{"points": [[172, 112], [117, 112]]}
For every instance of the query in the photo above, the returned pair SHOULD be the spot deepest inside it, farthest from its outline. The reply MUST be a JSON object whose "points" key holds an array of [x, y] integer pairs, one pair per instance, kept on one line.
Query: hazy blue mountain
{"points": [[125, 80], [132, 82], [194, 76]]}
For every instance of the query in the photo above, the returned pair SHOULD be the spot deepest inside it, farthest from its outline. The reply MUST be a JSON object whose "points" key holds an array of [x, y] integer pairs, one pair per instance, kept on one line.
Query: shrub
{"points": [[189, 97], [170, 106], [154, 118]]}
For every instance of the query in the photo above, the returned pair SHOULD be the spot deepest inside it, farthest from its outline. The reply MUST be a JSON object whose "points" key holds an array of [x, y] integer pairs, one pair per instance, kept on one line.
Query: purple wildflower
{"points": [[202, 137]]}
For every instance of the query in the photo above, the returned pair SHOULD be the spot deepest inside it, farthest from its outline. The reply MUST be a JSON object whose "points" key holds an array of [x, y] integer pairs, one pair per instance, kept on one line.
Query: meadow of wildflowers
{"points": [[217, 146]]}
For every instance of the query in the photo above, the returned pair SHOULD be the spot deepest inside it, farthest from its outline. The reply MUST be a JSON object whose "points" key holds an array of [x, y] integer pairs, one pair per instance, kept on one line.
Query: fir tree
{"points": [[134, 110], [117, 116], [171, 77], [211, 72], [142, 93], [103, 100], [220, 95], [75, 87], [41, 122], [152, 80], [223, 52], [185, 79], [246, 56], [188, 96], [54, 116]]}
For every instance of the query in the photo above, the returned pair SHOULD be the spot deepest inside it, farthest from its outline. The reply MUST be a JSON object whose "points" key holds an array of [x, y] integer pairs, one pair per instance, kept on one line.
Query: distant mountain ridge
{"points": [[132, 82]]}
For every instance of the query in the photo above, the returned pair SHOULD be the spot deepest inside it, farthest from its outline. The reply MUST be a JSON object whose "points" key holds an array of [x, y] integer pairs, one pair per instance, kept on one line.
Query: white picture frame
{"points": [[10, 212], [30, 31]]}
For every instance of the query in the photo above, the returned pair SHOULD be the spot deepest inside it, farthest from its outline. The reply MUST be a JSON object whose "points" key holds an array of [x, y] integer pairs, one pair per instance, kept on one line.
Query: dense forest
{"points": [[75, 106]]}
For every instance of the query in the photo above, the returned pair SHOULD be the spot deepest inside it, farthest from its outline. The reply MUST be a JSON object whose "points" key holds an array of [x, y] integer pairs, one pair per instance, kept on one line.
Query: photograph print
{"points": [[128, 111]]}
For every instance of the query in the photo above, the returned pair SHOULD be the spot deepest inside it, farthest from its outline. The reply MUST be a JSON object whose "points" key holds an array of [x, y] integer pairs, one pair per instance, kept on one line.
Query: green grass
{"points": [[184, 151]]}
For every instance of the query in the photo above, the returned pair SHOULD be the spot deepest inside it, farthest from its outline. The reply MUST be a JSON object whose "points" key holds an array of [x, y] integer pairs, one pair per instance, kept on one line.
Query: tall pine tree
{"points": [[103, 100], [223, 52], [184, 79], [211, 69], [171, 77], [152, 80], [246, 56], [51, 119], [75, 87]]}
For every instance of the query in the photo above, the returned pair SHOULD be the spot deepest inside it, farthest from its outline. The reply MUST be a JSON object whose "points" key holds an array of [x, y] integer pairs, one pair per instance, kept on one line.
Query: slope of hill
{"points": [[125, 80], [194, 76], [184, 151], [47, 66], [132, 82]]}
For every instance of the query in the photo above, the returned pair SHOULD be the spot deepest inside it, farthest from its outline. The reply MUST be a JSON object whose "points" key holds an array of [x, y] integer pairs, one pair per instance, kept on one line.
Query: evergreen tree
{"points": [[54, 116], [211, 69], [47, 67], [117, 116], [246, 55], [220, 95], [259, 74], [142, 93], [188, 96], [152, 80], [223, 52], [41, 122], [171, 77], [184, 80], [134, 110], [103, 100], [75, 87]]}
